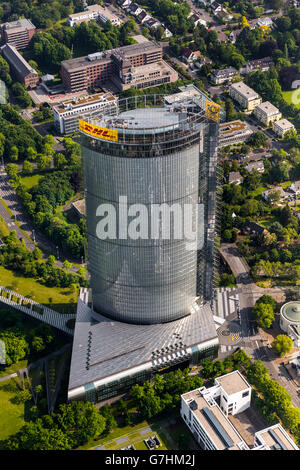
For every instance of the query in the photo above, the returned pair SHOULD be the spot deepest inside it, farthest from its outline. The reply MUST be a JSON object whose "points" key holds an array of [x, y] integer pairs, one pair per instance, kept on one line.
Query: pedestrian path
{"points": [[226, 302], [36, 310]]}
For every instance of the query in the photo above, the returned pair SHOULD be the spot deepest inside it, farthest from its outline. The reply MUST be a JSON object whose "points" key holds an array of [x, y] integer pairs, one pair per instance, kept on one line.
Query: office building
{"points": [[17, 33], [247, 98], [234, 132], [134, 66], [93, 12], [209, 412], [66, 113], [21, 70], [151, 294], [267, 113], [282, 126]]}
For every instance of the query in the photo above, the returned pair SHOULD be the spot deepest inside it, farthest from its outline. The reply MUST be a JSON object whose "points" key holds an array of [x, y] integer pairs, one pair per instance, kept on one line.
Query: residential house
{"points": [[267, 113], [167, 33], [283, 195], [124, 3], [134, 9], [152, 23], [259, 166], [224, 75], [265, 22], [188, 55], [254, 229], [202, 61], [282, 126], [196, 18], [234, 35], [235, 177], [245, 96], [295, 188], [143, 16], [258, 64]]}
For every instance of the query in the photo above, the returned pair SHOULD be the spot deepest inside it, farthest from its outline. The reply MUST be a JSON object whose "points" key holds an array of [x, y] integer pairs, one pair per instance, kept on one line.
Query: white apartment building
{"points": [[267, 113], [274, 438], [235, 395], [282, 126], [66, 114], [93, 12], [206, 413], [247, 98]]}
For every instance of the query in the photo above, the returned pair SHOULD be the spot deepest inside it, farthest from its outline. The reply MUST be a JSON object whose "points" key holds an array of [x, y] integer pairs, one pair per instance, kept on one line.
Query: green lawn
{"points": [[60, 299], [30, 181], [292, 99], [11, 414]]}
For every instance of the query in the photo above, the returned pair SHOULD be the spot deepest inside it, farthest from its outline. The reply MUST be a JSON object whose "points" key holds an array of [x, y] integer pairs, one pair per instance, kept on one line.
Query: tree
{"points": [[27, 167], [16, 347], [282, 344], [13, 153], [60, 160], [274, 197], [12, 170], [38, 344], [257, 140], [44, 162], [267, 299], [31, 153], [264, 314]]}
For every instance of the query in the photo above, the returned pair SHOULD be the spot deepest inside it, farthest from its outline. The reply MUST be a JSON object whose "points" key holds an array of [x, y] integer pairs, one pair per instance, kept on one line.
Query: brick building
{"points": [[17, 33], [124, 66], [22, 71]]}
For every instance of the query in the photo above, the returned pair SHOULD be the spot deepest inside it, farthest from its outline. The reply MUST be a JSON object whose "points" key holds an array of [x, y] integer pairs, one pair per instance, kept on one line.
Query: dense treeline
{"points": [[22, 342], [49, 48], [14, 255], [16, 133], [41, 202]]}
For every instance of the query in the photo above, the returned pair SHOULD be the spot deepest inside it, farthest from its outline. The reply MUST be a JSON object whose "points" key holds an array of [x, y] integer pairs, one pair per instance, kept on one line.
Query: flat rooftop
{"points": [[227, 428], [233, 382], [140, 119], [84, 100], [276, 438], [123, 52], [189, 93], [234, 127], [268, 108], [284, 124], [118, 347], [18, 25], [244, 90]]}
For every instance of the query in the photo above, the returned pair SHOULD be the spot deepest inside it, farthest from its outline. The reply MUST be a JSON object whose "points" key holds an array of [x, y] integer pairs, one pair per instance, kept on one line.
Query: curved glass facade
{"points": [[145, 281]]}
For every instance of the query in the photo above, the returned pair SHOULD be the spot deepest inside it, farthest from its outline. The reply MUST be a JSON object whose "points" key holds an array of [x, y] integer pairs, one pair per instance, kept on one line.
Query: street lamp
{"points": [[57, 252]]}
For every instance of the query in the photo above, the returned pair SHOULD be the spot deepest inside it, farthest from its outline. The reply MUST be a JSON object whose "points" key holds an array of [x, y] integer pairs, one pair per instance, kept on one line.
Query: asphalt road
{"points": [[254, 342]]}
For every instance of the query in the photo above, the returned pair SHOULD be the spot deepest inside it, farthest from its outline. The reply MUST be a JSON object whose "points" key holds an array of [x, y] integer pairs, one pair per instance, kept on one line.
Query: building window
{"points": [[245, 394], [224, 398]]}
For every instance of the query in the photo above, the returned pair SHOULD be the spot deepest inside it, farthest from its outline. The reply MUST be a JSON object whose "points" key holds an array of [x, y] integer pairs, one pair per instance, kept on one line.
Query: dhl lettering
{"points": [[108, 134]]}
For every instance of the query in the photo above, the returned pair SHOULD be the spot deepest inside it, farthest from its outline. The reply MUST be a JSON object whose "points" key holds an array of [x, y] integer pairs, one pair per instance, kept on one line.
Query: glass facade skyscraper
{"points": [[151, 154]]}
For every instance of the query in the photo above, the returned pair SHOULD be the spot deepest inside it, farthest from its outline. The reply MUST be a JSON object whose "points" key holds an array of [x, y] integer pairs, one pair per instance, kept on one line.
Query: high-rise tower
{"points": [[150, 187]]}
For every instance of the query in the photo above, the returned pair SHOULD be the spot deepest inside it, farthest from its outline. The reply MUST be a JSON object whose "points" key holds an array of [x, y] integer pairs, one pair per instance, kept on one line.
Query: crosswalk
{"points": [[226, 302]]}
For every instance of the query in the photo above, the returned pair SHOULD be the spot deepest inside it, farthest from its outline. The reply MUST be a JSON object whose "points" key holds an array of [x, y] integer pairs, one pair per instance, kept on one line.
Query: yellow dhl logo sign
{"points": [[96, 131], [212, 110]]}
